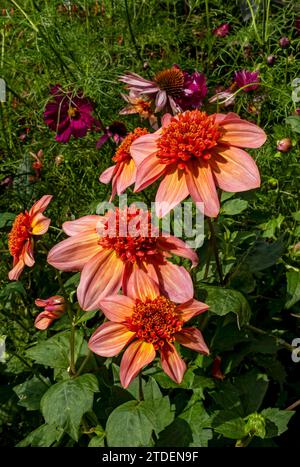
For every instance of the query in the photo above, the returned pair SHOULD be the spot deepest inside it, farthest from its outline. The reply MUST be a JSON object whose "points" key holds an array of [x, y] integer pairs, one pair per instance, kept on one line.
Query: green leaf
{"points": [[6, 219], [296, 216], [294, 121], [130, 424], [199, 421], [160, 413], [234, 206], [167, 383], [97, 441], [276, 421], [223, 301], [44, 436], [178, 434], [66, 402], [262, 255], [233, 429], [252, 387], [55, 352], [293, 288], [12, 290], [30, 393], [86, 316]]}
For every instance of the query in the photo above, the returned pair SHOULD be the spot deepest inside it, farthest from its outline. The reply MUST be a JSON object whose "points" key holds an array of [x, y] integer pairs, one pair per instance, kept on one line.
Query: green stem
{"points": [[81, 368], [132, 34], [214, 245], [207, 15], [280, 341], [254, 21]]}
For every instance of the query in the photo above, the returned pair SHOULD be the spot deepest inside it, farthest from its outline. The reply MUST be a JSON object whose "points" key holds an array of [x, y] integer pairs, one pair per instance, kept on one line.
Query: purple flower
{"points": [[68, 114], [116, 130], [243, 77], [222, 30], [193, 92]]}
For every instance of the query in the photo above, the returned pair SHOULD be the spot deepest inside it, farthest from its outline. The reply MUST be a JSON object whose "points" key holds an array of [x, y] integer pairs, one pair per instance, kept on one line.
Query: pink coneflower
{"points": [[194, 153], [68, 114], [123, 173], [107, 259], [116, 130], [222, 30], [154, 323], [243, 77], [170, 89], [54, 308]]}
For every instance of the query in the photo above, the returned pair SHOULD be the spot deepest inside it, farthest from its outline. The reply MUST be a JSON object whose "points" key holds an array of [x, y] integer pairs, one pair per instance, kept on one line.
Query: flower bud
{"points": [[284, 145], [284, 42], [54, 307], [271, 59]]}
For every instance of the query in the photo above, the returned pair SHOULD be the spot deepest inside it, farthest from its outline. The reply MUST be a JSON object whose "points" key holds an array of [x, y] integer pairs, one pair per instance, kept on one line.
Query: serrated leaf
{"points": [[232, 429], [177, 434], [276, 421], [130, 425], [222, 301], [293, 288], [31, 392], [65, 403], [234, 207], [44, 436], [262, 255], [55, 352]]}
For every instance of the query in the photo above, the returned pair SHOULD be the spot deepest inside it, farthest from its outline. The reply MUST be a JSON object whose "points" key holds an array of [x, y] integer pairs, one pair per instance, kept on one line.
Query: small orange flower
{"points": [[54, 307], [141, 106], [155, 321], [20, 239]]}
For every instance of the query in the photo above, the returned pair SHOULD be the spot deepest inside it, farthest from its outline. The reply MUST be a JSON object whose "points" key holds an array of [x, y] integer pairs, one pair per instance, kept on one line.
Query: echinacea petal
{"points": [[172, 190], [81, 225], [202, 186], [234, 170], [40, 205], [172, 363], [143, 146], [101, 276], [109, 339], [136, 356], [74, 252], [241, 133], [117, 308], [40, 224], [140, 286], [175, 282], [191, 308], [193, 339], [178, 247]]}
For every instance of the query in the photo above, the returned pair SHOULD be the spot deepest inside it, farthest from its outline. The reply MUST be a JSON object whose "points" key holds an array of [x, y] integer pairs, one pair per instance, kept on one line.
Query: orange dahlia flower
{"points": [[195, 153], [123, 173], [155, 322], [107, 258], [54, 308], [20, 239]]}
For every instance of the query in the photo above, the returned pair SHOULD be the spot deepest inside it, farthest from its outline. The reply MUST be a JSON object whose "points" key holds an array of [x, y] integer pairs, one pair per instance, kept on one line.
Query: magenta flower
{"points": [[116, 130], [172, 89], [243, 77], [68, 114], [222, 30]]}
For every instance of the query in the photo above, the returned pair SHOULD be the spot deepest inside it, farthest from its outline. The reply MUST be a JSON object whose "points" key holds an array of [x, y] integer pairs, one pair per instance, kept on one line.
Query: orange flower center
{"points": [[170, 80], [155, 321], [72, 111], [192, 135], [130, 234], [123, 151], [20, 232]]}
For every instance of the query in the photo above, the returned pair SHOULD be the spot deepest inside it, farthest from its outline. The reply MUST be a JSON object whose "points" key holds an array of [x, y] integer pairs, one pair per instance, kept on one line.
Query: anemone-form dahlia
{"points": [[195, 153], [26, 226], [123, 173], [149, 322], [108, 249]]}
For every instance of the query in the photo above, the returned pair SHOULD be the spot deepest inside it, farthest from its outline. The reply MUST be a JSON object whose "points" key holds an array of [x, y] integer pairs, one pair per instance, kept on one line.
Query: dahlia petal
{"points": [[40, 205], [117, 308], [40, 224], [178, 247], [193, 339], [15, 272], [241, 133], [166, 119], [172, 363], [106, 176], [143, 146], [140, 285], [202, 187], [170, 276], [191, 308], [126, 177], [28, 254], [74, 252], [147, 172], [81, 225], [42, 321], [138, 355], [101, 276], [235, 170], [109, 339], [172, 190]]}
